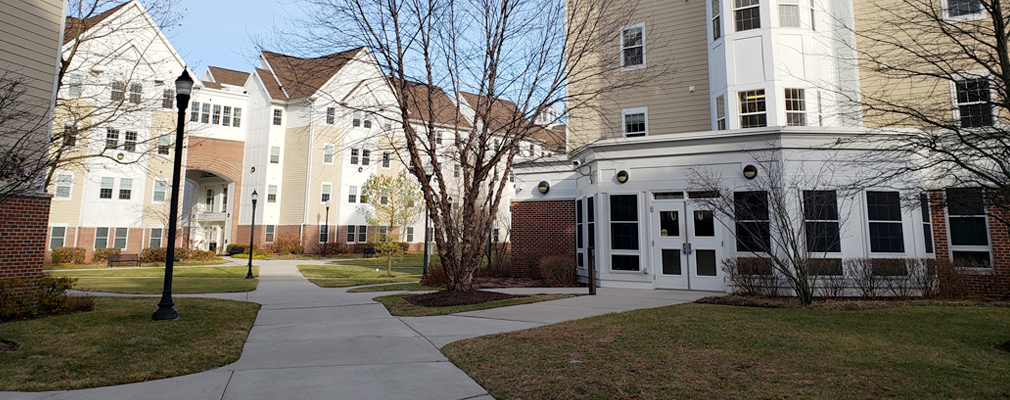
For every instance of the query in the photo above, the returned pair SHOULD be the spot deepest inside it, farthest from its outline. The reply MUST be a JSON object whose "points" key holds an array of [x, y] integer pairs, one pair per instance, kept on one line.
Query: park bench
{"points": [[124, 259], [367, 252]]}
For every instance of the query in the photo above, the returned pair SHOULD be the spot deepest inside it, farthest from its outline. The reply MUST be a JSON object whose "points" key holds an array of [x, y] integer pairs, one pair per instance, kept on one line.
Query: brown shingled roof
{"points": [[505, 116], [303, 77], [228, 76], [211, 85], [441, 105], [77, 26], [272, 87]]}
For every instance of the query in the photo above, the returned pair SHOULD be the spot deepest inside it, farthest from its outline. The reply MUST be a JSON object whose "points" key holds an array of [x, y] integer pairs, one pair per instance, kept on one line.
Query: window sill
{"points": [[978, 270], [633, 68]]}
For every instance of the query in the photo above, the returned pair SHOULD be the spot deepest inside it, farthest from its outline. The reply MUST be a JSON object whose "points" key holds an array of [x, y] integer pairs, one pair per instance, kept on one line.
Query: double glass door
{"points": [[686, 246]]}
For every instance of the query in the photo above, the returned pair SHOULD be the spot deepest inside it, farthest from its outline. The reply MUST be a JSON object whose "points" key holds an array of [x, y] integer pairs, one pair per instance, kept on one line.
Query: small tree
{"points": [[394, 202]]}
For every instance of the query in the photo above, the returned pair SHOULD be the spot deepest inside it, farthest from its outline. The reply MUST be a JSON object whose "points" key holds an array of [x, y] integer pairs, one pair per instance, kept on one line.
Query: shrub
{"points": [[68, 255], [231, 247], [336, 248], [203, 255], [102, 255], [44, 296], [160, 254], [299, 249], [558, 270], [863, 276], [951, 282], [500, 267], [284, 244], [753, 276], [436, 275]]}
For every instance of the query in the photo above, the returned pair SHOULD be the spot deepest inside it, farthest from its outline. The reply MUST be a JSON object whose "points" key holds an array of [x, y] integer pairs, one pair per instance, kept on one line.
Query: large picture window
{"points": [[750, 211], [624, 232], [883, 210], [820, 215]]}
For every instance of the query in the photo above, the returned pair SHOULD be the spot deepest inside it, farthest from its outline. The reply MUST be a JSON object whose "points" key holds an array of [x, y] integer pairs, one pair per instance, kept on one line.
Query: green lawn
{"points": [[50, 267], [347, 275], [396, 287], [119, 343], [399, 307], [725, 352], [151, 280], [408, 260], [192, 272]]}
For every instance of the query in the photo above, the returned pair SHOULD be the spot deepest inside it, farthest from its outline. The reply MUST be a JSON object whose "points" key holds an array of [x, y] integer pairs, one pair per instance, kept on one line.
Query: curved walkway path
{"points": [[316, 343]]}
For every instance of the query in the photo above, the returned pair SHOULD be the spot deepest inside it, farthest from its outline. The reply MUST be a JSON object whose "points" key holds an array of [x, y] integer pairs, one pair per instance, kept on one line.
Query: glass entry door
{"points": [[686, 246]]}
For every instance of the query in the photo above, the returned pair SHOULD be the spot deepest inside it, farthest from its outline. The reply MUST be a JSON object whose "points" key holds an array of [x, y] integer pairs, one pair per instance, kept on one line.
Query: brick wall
{"points": [[24, 226], [994, 283], [541, 228]]}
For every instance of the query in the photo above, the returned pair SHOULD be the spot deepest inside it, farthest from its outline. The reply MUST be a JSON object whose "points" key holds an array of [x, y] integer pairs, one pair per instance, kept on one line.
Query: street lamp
{"points": [[166, 307], [252, 233], [327, 227], [429, 170]]}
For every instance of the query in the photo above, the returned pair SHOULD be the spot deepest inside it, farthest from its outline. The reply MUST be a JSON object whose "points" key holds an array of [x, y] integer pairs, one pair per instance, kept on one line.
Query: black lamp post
{"points": [[327, 227], [252, 234], [429, 170], [166, 307]]}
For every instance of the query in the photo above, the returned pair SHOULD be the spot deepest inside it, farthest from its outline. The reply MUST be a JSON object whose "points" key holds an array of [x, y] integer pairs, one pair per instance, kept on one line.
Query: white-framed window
{"points": [[325, 193], [160, 191], [351, 235], [635, 121], [356, 119], [747, 14], [624, 238], [386, 156], [194, 111], [752, 109], [410, 234], [963, 10], [205, 113], [354, 156], [75, 85], [384, 197], [224, 199], [789, 13], [364, 156], [275, 155], [720, 113], [278, 117], [57, 237], [820, 110], [210, 200], [268, 233], [236, 120], [111, 138], [362, 233], [438, 138], [383, 233], [367, 121], [796, 107], [352, 194], [927, 223], [125, 188], [105, 188], [101, 238], [118, 91], [164, 144], [883, 211], [324, 234], [496, 235], [456, 170], [972, 101], [968, 228], [119, 240], [813, 15], [716, 19], [136, 92], [271, 193], [226, 116], [64, 186], [331, 115], [130, 141], [328, 151], [168, 98], [633, 46], [69, 134], [156, 236]]}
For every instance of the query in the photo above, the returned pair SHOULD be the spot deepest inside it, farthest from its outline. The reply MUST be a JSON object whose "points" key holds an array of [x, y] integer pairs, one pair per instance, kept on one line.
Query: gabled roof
{"points": [[228, 76], [271, 84], [75, 26], [505, 116], [302, 77], [441, 105]]}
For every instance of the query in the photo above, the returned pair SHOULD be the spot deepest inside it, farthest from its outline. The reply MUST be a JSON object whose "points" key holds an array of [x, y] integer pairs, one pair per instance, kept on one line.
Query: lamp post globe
{"points": [[252, 233]]}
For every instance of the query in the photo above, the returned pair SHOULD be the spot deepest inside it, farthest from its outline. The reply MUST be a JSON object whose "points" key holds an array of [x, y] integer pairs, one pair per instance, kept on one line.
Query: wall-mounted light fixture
{"points": [[750, 172], [622, 176], [120, 156], [544, 187]]}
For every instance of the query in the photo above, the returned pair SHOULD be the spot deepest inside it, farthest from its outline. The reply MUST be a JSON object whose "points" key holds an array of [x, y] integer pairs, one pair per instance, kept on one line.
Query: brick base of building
{"points": [[24, 222], [541, 229]]}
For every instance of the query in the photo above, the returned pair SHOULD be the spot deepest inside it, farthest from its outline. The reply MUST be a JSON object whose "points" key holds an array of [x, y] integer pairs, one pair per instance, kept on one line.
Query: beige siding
{"points": [[324, 173], [29, 43], [295, 159]]}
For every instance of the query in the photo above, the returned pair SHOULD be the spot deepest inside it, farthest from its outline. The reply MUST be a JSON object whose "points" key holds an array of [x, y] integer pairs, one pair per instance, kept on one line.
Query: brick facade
{"points": [[540, 229], [24, 225], [994, 283]]}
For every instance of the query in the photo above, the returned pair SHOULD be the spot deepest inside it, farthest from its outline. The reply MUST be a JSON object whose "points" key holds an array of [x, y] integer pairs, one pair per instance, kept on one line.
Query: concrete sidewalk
{"points": [[315, 343]]}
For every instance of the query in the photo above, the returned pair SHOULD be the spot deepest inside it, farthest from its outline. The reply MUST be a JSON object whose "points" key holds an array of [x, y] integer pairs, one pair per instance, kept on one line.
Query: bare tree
{"points": [[23, 136]]}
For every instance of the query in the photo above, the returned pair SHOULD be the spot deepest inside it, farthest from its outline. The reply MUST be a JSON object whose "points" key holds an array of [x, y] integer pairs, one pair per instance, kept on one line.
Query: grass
{"points": [[401, 308], [222, 279], [396, 287], [724, 352], [51, 267], [347, 275], [408, 260], [118, 343]]}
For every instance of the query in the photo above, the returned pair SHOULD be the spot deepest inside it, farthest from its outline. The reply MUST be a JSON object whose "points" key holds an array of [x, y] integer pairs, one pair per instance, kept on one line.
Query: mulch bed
{"points": [[489, 282], [842, 304], [453, 298]]}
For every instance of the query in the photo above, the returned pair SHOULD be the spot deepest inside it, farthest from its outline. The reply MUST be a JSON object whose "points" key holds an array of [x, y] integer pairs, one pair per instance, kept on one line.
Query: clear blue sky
{"points": [[223, 33]]}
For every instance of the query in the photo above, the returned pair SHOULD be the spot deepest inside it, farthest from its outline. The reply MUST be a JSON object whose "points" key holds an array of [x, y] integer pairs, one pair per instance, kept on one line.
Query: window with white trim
{"points": [[271, 193], [820, 216], [275, 155], [974, 108], [383, 233], [136, 92], [164, 145], [789, 13], [118, 91], [156, 236], [927, 228], [635, 122], [125, 188], [168, 98], [224, 199], [194, 111], [69, 134], [57, 237], [101, 238], [64, 184], [720, 113], [226, 116], [111, 138], [883, 212], [752, 109], [633, 46], [105, 189], [215, 117], [384, 197], [963, 8], [350, 234], [362, 233], [796, 107], [75, 84], [268, 233], [352, 194], [160, 191], [624, 233], [364, 156], [967, 227], [386, 156], [747, 14], [324, 233], [119, 240], [325, 193], [210, 200], [367, 121], [354, 156], [236, 121], [205, 113], [716, 19], [278, 117], [410, 234], [331, 115], [438, 138], [328, 152], [752, 221], [356, 119], [130, 141]]}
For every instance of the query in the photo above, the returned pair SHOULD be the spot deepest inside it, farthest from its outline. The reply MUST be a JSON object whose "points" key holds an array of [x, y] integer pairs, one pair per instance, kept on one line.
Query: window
{"points": [[101, 238], [383, 231], [236, 120], [118, 91], [69, 134], [495, 235], [159, 191], [820, 213], [125, 188], [367, 122], [635, 122], [579, 225], [325, 196], [795, 108], [76, 85], [272, 194], [789, 13], [350, 234], [720, 113], [168, 98], [747, 14], [216, 116], [268, 234], [226, 116], [969, 234], [56, 238], [362, 233], [331, 115], [813, 19], [356, 119], [205, 113], [958, 8], [111, 138], [752, 109], [210, 200], [105, 190], [352, 194], [275, 155], [456, 169], [820, 111], [354, 156], [364, 157], [927, 230], [130, 142], [64, 182], [438, 138], [156, 235], [278, 116], [164, 144], [364, 196], [972, 102], [410, 234], [624, 232], [328, 150], [883, 210], [633, 46], [716, 19], [194, 112], [119, 240], [324, 234], [750, 212], [385, 159], [386, 127], [136, 90], [384, 197], [224, 199]]}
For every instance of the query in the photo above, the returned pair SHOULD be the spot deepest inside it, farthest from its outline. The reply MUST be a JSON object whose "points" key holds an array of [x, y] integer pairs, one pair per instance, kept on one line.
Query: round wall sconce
{"points": [[544, 187], [361, 169], [622, 176], [750, 172], [120, 156]]}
